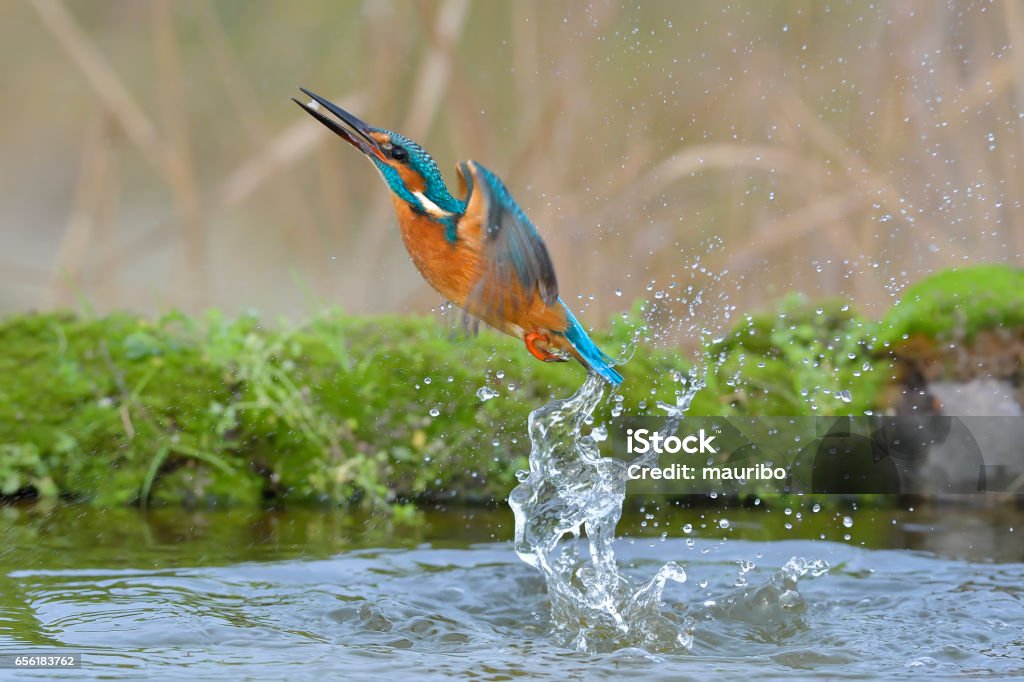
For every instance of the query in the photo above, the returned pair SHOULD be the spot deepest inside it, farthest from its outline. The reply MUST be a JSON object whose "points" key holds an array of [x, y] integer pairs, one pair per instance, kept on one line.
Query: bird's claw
{"points": [[538, 345]]}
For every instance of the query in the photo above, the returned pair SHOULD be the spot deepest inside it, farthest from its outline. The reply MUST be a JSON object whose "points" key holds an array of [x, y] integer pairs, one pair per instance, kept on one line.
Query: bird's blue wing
{"points": [[514, 258]]}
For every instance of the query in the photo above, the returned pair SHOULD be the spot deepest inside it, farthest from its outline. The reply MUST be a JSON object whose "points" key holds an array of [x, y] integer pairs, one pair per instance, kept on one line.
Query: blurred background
{"points": [[152, 157], [709, 157]]}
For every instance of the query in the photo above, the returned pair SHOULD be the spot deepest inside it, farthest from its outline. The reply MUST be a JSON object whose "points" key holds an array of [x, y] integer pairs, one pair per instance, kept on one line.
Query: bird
{"points": [[480, 252]]}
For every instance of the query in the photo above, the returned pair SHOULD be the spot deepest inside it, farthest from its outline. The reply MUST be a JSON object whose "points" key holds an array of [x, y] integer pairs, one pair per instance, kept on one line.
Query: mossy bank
{"points": [[122, 409]]}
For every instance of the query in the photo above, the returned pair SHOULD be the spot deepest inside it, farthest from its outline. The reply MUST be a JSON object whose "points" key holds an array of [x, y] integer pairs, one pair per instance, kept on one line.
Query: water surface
{"points": [[305, 594]]}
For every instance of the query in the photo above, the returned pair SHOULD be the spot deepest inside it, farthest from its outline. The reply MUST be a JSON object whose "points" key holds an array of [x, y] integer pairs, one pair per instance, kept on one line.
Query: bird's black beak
{"points": [[361, 140]]}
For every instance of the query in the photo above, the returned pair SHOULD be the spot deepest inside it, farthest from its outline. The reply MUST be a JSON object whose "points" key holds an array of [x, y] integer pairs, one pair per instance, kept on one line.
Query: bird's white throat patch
{"points": [[430, 207]]}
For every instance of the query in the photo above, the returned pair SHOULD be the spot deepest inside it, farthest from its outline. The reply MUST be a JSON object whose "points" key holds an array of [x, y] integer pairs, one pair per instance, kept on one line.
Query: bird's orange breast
{"points": [[454, 269], [450, 268]]}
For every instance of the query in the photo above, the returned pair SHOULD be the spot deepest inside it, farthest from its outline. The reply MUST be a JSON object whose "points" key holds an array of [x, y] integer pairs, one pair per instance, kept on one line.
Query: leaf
{"points": [[154, 468]]}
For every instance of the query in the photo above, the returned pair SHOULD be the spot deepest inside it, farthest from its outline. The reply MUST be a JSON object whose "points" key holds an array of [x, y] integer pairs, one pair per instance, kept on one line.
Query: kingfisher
{"points": [[480, 252]]}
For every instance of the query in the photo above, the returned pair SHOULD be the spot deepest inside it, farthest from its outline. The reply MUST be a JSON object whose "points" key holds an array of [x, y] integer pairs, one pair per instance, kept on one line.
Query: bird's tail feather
{"points": [[589, 354]]}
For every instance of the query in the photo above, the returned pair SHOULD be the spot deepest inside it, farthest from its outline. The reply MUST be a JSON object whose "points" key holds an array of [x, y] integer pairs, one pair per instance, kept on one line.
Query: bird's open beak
{"points": [[361, 140]]}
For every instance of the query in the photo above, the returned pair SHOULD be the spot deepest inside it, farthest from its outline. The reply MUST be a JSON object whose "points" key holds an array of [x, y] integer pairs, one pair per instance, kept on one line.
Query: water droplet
{"points": [[434, 412], [426, 380], [618, 292], [845, 396], [500, 374], [847, 522], [723, 523], [485, 393]]}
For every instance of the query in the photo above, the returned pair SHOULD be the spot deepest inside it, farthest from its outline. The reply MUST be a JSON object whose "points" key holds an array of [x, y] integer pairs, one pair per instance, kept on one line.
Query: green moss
{"points": [[22, 468], [339, 410], [374, 411], [957, 304], [804, 358], [94, 398]]}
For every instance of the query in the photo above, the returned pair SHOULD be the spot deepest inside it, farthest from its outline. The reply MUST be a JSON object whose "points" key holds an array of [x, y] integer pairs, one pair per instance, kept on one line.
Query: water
{"points": [[570, 488], [544, 591], [548, 593], [305, 594]]}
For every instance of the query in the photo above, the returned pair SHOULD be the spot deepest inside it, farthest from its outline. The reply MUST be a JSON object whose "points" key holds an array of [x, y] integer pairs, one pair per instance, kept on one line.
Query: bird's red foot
{"points": [[538, 345]]}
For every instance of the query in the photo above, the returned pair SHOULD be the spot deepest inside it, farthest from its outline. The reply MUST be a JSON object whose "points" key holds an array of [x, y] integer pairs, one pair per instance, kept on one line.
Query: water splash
{"points": [[485, 393], [772, 609], [569, 488]]}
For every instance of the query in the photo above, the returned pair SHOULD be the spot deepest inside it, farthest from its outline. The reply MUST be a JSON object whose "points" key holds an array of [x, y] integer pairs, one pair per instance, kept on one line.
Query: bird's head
{"points": [[410, 172]]}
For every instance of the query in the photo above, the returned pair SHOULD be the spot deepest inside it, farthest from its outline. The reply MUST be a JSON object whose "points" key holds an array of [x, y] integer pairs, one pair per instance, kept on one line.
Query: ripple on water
{"points": [[479, 611]]}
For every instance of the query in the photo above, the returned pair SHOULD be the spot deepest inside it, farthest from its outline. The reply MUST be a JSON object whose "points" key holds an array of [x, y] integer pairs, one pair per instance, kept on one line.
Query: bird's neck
{"points": [[414, 219], [451, 209], [425, 194], [437, 201], [438, 206]]}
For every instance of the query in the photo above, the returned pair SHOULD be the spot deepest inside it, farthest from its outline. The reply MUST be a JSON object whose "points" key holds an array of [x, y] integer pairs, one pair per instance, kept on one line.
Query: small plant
{"points": [[23, 468]]}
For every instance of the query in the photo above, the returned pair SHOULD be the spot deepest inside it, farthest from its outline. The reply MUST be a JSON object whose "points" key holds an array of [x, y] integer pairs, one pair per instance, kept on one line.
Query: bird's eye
{"points": [[399, 154]]}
